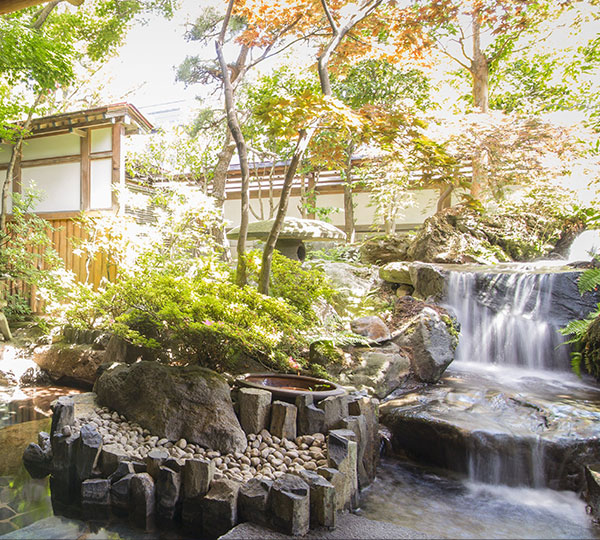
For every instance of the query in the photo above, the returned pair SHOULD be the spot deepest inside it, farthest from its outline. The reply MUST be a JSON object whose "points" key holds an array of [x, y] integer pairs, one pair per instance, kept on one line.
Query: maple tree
{"points": [[476, 35]]}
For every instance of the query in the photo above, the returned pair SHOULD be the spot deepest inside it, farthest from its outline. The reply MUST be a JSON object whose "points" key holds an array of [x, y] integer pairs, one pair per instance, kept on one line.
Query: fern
{"points": [[589, 280]]}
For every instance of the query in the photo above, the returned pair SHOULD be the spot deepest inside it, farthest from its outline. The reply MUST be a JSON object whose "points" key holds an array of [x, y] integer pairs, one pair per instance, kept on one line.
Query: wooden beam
{"points": [[8, 6], [73, 158], [79, 132], [85, 172]]}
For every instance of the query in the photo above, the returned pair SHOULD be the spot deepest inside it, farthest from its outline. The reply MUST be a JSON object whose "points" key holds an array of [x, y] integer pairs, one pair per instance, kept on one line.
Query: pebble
{"points": [[266, 456]]}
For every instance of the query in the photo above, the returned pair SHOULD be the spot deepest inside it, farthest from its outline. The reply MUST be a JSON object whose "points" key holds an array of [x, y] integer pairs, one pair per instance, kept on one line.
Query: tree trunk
{"points": [[236, 132], [480, 74], [479, 68], [348, 199], [218, 192], [265, 270]]}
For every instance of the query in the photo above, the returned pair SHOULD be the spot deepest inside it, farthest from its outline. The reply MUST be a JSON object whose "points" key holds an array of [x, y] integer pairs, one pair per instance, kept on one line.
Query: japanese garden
{"points": [[338, 280]]}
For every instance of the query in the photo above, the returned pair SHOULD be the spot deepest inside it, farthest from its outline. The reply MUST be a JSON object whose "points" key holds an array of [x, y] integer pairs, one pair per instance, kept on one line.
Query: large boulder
{"points": [[190, 402], [69, 364], [379, 370], [384, 249], [430, 336]]}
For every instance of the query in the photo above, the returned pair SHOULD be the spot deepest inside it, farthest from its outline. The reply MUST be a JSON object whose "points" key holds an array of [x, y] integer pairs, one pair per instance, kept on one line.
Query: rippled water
{"points": [[444, 506]]}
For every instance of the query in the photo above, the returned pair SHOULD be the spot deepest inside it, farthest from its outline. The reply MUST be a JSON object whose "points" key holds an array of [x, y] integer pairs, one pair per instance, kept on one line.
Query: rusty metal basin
{"points": [[288, 387]]}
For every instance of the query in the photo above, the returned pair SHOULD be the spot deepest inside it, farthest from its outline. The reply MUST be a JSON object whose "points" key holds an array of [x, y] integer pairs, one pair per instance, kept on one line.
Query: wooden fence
{"points": [[63, 234]]}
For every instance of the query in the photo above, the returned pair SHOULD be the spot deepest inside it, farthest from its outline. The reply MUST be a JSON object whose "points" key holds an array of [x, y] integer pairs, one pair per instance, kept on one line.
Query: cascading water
{"points": [[505, 319]]}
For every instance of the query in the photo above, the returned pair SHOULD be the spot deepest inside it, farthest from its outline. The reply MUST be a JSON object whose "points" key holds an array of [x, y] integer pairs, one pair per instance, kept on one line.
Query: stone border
{"points": [[304, 463]]}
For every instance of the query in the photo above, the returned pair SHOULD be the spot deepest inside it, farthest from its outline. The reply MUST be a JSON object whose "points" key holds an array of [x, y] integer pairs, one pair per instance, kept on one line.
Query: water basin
{"points": [[288, 387]]}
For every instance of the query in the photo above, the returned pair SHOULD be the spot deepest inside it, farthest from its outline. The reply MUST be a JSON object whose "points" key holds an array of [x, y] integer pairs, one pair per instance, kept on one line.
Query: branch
{"points": [[461, 42], [42, 15], [329, 16], [451, 56], [221, 37]]}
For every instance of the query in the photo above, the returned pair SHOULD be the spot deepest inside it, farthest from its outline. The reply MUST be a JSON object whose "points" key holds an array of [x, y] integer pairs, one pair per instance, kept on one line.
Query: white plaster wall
{"points": [[425, 205], [5, 151], [100, 184], [58, 185], [101, 140], [52, 146]]}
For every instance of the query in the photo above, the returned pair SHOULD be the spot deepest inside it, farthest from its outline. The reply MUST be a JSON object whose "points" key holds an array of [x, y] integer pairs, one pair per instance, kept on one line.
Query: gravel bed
{"points": [[266, 456]]}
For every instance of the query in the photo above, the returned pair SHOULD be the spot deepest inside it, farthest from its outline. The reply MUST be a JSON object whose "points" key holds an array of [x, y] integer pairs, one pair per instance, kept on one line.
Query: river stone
{"points": [[255, 409], [69, 364], [431, 343], [189, 402], [371, 327], [289, 505], [396, 272]]}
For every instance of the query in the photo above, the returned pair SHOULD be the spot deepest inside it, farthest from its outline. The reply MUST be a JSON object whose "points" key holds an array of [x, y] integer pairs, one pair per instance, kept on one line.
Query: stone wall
{"points": [[303, 463]]}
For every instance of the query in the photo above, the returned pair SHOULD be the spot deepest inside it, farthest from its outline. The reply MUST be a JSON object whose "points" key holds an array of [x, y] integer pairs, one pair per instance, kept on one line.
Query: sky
{"points": [[144, 71]]}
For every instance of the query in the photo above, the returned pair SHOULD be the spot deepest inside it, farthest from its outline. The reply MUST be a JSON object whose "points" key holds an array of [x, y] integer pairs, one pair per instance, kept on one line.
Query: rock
{"points": [[379, 370], [339, 483], [168, 490], [371, 327], [353, 281], [69, 364], [431, 342], [175, 402], [592, 495], [322, 500], [219, 508], [369, 449], [342, 453], [142, 499], [495, 440], [110, 458], [396, 272], [429, 281], [384, 249], [197, 477], [88, 451], [252, 501], [123, 469], [289, 505], [120, 351], [63, 414], [283, 420], [310, 418], [119, 493], [255, 409], [63, 481], [95, 491], [37, 462], [154, 460], [335, 409]]}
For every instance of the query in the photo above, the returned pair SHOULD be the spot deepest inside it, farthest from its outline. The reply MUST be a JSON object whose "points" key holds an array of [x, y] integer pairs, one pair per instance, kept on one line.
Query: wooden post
{"points": [[118, 171], [85, 174]]}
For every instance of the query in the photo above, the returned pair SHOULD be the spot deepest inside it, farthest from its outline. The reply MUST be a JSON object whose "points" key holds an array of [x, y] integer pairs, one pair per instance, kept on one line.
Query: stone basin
{"points": [[288, 387]]}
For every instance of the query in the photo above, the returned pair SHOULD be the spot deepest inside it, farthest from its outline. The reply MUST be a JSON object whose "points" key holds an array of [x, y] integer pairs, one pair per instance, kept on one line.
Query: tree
{"points": [[459, 30]]}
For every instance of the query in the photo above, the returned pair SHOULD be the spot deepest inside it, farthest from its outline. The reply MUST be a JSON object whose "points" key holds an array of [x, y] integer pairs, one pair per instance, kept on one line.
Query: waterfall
{"points": [[505, 319]]}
